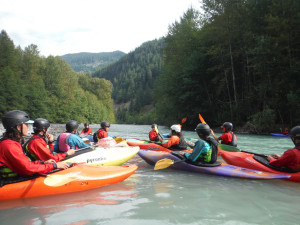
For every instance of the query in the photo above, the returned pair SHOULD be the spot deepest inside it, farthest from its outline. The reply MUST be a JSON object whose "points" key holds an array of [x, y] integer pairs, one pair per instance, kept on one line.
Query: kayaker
{"points": [[228, 137], [102, 132], [291, 157], [13, 161], [40, 145], [206, 148], [69, 139], [86, 130], [286, 131], [153, 135], [176, 141]]}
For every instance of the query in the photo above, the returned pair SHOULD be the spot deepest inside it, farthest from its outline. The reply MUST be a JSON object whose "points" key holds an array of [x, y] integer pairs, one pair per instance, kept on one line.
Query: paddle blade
{"points": [[58, 180], [201, 119], [163, 163], [183, 120]]}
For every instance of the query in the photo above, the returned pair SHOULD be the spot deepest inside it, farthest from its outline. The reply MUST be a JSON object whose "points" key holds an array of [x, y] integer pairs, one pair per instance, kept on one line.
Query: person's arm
{"points": [[200, 147], [287, 157], [214, 136], [19, 163], [75, 141]]}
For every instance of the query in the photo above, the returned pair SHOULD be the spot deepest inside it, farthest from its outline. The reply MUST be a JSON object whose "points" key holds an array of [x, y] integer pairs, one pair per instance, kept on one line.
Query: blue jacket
{"points": [[74, 141]]}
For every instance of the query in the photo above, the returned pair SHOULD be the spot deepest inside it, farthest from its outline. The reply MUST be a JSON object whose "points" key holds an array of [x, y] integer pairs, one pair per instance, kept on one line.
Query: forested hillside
{"points": [[49, 88], [90, 62], [133, 78], [238, 61]]}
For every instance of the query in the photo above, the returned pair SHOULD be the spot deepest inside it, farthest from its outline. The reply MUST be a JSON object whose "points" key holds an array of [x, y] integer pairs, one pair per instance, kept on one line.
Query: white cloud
{"points": [[59, 27]]}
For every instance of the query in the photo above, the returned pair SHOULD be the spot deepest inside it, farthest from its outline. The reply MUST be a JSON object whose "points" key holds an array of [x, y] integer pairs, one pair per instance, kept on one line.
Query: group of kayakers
{"points": [[206, 148], [37, 155]]}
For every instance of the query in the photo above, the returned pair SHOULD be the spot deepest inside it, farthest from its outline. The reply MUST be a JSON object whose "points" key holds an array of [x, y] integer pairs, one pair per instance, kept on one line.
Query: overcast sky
{"points": [[59, 27]]}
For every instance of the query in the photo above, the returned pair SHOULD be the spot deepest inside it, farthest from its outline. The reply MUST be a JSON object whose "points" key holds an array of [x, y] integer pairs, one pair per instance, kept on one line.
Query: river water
{"points": [[169, 196]]}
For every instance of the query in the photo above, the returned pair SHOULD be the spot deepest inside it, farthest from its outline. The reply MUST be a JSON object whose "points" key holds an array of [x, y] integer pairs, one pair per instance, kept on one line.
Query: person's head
{"points": [[295, 135], [153, 126], [176, 130], [40, 125], [105, 125], [16, 124], [72, 126], [86, 125], [203, 130], [227, 126]]}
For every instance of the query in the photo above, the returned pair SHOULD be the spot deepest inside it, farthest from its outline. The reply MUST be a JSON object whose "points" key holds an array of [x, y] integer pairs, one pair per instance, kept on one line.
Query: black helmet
{"points": [[105, 124], [203, 129], [153, 125], [13, 118], [228, 125], [71, 125], [295, 132], [40, 124], [86, 124]]}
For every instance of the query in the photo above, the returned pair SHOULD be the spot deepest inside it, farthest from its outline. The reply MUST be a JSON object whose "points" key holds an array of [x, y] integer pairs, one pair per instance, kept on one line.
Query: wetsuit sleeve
{"points": [[16, 160], [174, 140], [76, 141], [287, 157], [200, 147], [39, 148]]}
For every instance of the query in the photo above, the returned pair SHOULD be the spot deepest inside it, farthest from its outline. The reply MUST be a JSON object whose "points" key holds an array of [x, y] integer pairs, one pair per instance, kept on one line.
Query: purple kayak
{"points": [[280, 135], [219, 169]]}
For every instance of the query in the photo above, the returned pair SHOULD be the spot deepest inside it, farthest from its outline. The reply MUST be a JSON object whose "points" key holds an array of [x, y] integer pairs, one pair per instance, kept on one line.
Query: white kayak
{"points": [[110, 156]]}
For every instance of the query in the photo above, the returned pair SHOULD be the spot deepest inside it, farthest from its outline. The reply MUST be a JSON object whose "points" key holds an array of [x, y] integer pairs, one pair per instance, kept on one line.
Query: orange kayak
{"points": [[77, 178]]}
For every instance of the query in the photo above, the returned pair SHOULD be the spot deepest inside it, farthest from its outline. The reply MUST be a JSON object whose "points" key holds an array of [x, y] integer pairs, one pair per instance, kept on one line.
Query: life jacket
{"points": [[181, 146], [63, 142], [212, 157], [6, 172], [233, 140], [29, 154], [96, 134]]}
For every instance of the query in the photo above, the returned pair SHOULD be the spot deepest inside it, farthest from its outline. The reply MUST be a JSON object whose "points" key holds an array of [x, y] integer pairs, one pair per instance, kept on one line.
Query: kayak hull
{"points": [[112, 156], [83, 177], [246, 160], [280, 135], [151, 157]]}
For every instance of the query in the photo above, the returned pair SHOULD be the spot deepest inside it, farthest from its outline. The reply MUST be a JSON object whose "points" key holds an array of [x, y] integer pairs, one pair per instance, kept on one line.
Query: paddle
{"points": [[57, 180], [201, 119], [156, 130], [235, 149], [165, 163]]}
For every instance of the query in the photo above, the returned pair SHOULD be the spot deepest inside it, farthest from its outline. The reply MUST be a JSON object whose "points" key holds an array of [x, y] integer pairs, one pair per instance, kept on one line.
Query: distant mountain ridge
{"points": [[90, 62]]}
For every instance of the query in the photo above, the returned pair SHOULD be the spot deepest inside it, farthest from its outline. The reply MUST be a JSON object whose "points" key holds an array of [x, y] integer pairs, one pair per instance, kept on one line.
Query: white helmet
{"points": [[176, 128]]}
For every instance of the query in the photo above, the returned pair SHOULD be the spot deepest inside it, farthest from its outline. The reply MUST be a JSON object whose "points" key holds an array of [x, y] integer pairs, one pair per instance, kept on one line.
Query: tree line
{"points": [[47, 87], [235, 61]]}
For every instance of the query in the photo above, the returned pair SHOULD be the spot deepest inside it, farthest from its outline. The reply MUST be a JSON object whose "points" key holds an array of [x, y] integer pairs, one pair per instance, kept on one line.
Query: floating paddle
{"points": [[165, 163]]}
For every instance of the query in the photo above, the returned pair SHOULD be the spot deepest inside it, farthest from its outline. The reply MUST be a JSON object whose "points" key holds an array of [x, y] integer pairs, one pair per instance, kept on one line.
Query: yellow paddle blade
{"points": [[118, 139], [201, 119], [163, 163], [58, 180], [156, 130]]}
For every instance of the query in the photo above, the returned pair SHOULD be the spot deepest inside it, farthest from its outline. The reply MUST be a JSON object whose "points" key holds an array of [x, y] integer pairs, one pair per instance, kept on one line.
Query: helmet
{"points": [[153, 125], [40, 124], [105, 124], [71, 125], [13, 118], [86, 124], [176, 128], [203, 129], [227, 125], [295, 132]]}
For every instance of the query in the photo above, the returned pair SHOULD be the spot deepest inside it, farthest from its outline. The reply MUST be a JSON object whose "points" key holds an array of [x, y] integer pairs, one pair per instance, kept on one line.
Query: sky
{"points": [[60, 27]]}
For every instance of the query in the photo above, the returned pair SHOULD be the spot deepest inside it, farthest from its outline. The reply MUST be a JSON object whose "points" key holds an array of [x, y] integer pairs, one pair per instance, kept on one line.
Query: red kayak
{"points": [[256, 162]]}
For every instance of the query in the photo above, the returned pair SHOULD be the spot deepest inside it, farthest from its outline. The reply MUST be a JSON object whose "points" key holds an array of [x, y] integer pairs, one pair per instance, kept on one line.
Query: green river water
{"points": [[169, 196]]}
